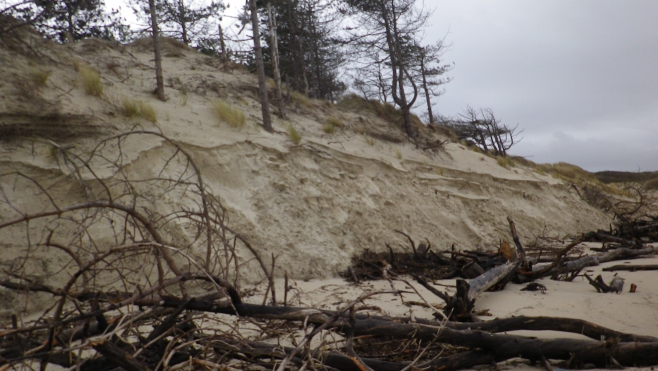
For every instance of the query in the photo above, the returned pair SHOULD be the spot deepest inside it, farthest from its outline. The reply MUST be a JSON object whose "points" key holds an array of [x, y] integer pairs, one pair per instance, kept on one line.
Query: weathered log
{"points": [[603, 236], [572, 325], [598, 284], [491, 277], [588, 261], [342, 362], [517, 242], [119, 356], [504, 347], [501, 346], [545, 271], [632, 268]]}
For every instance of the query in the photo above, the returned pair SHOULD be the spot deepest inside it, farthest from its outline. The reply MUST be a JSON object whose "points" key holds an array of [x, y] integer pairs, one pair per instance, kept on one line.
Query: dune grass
{"points": [[301, 99], [129, 107], [329, 128], [385, 111], [91, 81], [228, 114], [293, 134], [38, 76], [336, 122], [147, 111]]}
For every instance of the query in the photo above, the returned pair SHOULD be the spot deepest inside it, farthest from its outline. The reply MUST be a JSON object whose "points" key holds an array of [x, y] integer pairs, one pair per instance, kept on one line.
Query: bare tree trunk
{"points": [[183, 24], [274, 45], [69, 18], [159, 80], [221, 41], [264, 101], [397, 67], [426, 89]]}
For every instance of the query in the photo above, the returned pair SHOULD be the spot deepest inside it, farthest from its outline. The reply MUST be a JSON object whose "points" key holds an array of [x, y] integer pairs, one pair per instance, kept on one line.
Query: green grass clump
{"points": [[39, 77], [336, 122], [147, 111], [229, 114], [301, 98], [501, 161], [129, 107], [398, 154], [294, 134], [329, 128], [385, 111], [91, 81], [505, 162]]}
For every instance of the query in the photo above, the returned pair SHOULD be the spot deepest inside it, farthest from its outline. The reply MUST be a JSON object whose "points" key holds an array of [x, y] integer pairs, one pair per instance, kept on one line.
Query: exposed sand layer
{"points": [[312, 204]]}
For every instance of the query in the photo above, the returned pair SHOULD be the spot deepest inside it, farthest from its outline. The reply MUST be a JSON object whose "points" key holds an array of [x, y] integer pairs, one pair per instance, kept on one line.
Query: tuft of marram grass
{"points": [[39, 77], [129, 107], [229, 114], [301, 98], [501, 161], [336, 122], [293, 134], [91, 81], [329, 128], [398, 154], [147, 111]]}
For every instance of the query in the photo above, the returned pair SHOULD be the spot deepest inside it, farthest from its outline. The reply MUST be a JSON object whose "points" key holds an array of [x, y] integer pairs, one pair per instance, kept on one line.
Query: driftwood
{"points": [[626, 349], [632, 268], [588, 261]]}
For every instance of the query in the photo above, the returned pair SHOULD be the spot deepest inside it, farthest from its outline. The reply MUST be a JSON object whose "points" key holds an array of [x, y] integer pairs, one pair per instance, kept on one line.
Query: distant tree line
{"points": [[317, 47]]}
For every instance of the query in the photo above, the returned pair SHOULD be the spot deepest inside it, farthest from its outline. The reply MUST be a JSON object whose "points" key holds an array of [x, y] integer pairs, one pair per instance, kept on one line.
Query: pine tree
{"points": [[309, 52], [71, 20]]}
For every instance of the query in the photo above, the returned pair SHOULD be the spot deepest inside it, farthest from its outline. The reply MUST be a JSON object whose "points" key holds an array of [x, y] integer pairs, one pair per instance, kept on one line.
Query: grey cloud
{"points": [[580, 69]]}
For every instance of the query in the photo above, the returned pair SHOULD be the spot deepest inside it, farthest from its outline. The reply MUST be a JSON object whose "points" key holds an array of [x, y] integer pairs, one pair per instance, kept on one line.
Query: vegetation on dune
{"points": [[228, 114], [385, 111], [91, 81], [293, 134], [626, 176]]}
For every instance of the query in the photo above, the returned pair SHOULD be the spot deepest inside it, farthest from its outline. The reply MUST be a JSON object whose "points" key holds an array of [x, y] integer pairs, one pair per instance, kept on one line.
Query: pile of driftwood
{"points": [[104, 331], [490, 271], [140, 301]]}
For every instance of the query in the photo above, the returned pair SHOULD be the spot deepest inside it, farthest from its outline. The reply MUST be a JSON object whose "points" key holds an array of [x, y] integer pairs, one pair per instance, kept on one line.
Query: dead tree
{"points": [[274, 47], [159, 79], [260, 67], [483, 129]]}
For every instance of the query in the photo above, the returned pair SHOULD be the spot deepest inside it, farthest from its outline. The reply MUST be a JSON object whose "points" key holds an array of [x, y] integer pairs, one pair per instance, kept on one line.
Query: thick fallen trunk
{"points": [[343, 362], [504, 347], [632, 268], [588, 261], [501, 346], [460, 306]]}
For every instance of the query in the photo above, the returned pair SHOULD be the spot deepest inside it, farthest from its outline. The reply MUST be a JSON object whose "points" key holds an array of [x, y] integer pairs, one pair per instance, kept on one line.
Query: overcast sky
{"points": [[580, 77]]}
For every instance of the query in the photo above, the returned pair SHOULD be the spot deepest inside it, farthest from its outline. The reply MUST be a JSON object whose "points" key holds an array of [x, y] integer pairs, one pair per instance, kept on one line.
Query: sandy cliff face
{"points": [[312, 204]]}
